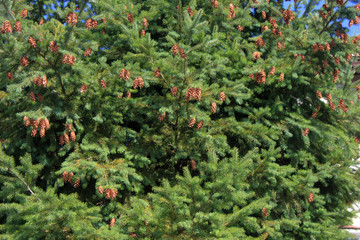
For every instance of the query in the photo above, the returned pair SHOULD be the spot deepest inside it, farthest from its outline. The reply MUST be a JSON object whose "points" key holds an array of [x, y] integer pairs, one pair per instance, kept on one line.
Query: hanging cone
{"points": [[192, 122]]}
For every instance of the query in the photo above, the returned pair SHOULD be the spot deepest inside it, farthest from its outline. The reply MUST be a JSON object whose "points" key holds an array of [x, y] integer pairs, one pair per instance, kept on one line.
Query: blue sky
{"points": [[354, 30]]}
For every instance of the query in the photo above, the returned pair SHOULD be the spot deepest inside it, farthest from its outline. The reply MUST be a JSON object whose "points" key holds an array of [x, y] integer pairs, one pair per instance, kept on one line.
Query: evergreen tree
{"points": [[185, 119]]}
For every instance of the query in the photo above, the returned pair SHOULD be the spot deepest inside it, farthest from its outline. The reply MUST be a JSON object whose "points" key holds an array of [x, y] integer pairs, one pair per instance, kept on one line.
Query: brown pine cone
{"points": [[101, 190], [32, 96], [40, 97], [32, 42], [213, 108], [157, 73], [41, 21], [130, 18], [103, 83], [47, 123], [87, 52], [107, 193], [61, 140], [306, 132], [145, 22], [200, 125], [83, 88], [161, 117], [10, 76], [265, 212], [175, 49], [112, 222], [53, 47], [311, 198], [18, 26], [174, 91], [33, 132], [192, 122], [65, 176], [128, 95], [281, 77], [66, 138], [222, 97], [73, 136], [24, 61], [23, 13], [69, 127], [6, 27], [26, 121], [77, 183], [193, 164], [42, 132], [70, 177], [182, 54], [272, 71]]}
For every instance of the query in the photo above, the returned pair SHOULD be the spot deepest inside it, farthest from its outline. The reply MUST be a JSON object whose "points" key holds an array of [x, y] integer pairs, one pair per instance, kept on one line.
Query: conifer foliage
{"points": [[157, 119]]}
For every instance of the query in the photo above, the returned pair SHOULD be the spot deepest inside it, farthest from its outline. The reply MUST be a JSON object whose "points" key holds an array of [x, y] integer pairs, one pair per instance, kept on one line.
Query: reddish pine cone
{"points": [[107, 193], [61, 140], [197, 94], [103, 83], [142, 33], [240, 28], [157, 72], [26, 121], [33, 132], [71, 18], [213, 108], [311, 198], [192, 122], [47, 123], [193, 164], [190, 12], [318, 94], [256, 55], [53, 47], [66, 138], [200, 125], [112, 222], [265, 212], [23, 13], [24, 61], [175, 49], [6, 27], [68, 59], [65, 176], [222, 96], [70, 177], [77, 183], [182, 54], [101, 190], [332, 106], [145, 22], [87, 52], [260, 77], [10, 76], [130, 18], [328, 97], [41, 21], [281, 77], [113, 193], [263, 14], [306, 132], [69, 127], [259, 42], [83, 88], [288, 16], [272, 71], [161, 117], [216, 4], [18, 26], [32, 42], [174, 91], [32, 96], [128, 94], [73, 136], [124, 74], [42, 132]]}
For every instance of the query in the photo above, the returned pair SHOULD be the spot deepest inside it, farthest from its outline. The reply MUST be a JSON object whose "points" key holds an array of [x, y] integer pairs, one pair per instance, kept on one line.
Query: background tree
{"points": [[177, 119]]}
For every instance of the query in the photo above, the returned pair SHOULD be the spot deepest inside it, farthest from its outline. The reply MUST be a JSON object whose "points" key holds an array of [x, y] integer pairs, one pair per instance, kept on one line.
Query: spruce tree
{"points": [[185, 119]]}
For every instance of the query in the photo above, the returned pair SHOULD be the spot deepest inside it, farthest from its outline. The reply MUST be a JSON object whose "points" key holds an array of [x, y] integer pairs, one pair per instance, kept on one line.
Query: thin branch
{"points": [[332, 18], [27, 185]]}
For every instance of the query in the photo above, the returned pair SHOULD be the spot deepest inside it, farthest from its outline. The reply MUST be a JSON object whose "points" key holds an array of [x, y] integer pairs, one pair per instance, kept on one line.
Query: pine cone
{"points": [[24, 61], [197, 94], [161, 117], [332, 106], [87, 52], [71, 18], [264, 28], [103, 83], [182, 54], [47, 123], [263, 14], [61, 140], [70, 177], [328, 97], [272, 71], [260, 77], [145, 23], [193, 164], [73, 136], [222, 97], [10, 76], [175, 49], [66, 138], [112, 222], [259, 42], [113, 193], [240, 28], [130, 18], [174, 91], [83, 88], [65, 176], [265, 212], [18, 26], [32, 42], [23, 13], [216, 4], [213, 108], [101, 190], [69, 127], [192, 122], [77, 183], [318, 94], [311, 198], [88, 24], [306, 132], [32, 96], [348, 57], [190, 12], [41, 21], [33, 132], [26, 121], [44, 81], [128, 95], [256, 56], [53, 47], [42, 123], [142, 33], [6, 27], [288, 16], [281, 77], [42, 132], [337, 60], [107, 193], [157, 73], [200, 125]]}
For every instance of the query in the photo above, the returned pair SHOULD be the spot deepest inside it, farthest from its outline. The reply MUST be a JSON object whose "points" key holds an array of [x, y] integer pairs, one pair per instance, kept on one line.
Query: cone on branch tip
{"points": [[192, 122], [311, 198], [112, 222], [222, 96], [77, 183], [213, 108], [200, 125], [193, 164], [66, 138]]}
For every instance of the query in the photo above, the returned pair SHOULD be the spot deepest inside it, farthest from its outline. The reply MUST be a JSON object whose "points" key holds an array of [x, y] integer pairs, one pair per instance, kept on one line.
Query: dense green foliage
{"points": [[240, 149]]}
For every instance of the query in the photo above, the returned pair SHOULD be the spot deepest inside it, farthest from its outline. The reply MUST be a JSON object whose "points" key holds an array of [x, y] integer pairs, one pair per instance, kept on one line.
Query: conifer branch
{"points": [[331, 18], [180, 106], [27, 185]]}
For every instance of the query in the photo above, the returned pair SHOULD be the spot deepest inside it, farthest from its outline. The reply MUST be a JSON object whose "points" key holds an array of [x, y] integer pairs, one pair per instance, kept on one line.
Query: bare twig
{"points": [[27, 185]]}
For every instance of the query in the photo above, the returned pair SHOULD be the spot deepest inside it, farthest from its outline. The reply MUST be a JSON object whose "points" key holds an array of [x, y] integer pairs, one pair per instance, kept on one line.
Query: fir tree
{"points": [[180, 119]]}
